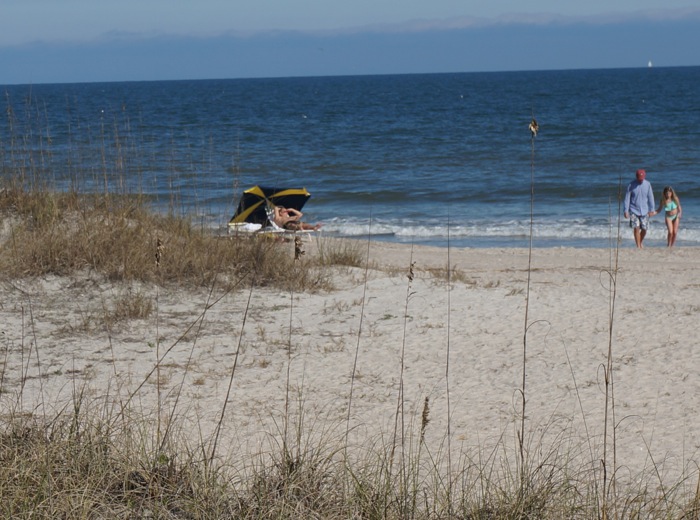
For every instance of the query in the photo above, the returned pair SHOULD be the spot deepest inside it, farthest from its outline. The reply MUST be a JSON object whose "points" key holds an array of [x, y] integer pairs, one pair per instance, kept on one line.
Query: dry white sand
{"points": [[52, 345]]}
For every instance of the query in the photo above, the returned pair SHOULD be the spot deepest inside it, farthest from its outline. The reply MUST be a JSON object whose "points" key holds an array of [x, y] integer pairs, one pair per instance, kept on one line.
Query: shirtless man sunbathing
{"points": [[290, 218]]}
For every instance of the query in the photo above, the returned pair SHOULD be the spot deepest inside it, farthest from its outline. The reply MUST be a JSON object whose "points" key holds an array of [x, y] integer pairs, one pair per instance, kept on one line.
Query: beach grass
{"points": [[119, 238], [97, 460]]}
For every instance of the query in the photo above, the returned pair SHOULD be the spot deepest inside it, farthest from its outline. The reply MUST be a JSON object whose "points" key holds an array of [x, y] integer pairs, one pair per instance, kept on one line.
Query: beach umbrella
{"points": [[254, 202]]}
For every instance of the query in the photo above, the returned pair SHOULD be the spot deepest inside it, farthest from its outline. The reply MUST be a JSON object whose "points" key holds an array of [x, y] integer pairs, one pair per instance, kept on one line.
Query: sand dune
{"points": [[393, 334]]}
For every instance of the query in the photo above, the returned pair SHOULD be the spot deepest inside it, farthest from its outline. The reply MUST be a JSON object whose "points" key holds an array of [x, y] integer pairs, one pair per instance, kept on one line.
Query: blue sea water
{"points": [[439, 159]]}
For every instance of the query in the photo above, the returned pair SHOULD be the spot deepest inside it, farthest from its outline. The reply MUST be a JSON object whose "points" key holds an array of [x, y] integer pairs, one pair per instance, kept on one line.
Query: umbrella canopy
{"points": [[253, 204]]}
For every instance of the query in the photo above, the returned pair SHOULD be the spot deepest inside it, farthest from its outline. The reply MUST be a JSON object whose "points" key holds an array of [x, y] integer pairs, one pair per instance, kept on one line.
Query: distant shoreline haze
{"points": [[507, 47]]}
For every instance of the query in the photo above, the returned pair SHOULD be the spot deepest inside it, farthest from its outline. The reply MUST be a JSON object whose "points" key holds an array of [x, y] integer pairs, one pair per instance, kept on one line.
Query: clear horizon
{"points": [[79, 41]]}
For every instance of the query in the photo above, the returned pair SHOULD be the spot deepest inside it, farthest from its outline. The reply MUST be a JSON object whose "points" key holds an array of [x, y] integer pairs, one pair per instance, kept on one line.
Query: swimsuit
{"points": [[671, 206], [293, 225]]}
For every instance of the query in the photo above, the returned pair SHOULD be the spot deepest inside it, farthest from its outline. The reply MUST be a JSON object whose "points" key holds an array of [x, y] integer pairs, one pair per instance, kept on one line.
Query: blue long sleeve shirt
{"points": [[639, 198]]}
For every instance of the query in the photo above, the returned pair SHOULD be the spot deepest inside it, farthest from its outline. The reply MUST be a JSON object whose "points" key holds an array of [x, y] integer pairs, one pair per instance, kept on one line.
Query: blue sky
{"points": [[105, 40]]}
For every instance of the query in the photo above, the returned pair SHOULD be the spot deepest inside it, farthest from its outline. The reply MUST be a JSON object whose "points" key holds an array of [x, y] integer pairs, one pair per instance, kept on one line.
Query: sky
{"points": [[44, 41]]}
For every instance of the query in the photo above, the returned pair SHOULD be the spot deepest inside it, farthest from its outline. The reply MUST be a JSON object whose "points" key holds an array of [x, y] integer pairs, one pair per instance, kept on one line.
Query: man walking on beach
{"points": [[639, 204]]}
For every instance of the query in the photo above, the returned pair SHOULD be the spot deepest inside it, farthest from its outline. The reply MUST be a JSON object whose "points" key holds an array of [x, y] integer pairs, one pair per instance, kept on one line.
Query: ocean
{"points": [[436, 159]]}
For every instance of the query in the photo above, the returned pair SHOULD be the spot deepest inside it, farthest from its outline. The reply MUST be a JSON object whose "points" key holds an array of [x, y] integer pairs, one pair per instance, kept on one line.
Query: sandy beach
{"points": [[397, 336]]}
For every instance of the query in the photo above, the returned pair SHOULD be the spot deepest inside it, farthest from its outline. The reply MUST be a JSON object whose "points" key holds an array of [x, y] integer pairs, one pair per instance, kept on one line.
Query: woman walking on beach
{"points": [[671, 205]]}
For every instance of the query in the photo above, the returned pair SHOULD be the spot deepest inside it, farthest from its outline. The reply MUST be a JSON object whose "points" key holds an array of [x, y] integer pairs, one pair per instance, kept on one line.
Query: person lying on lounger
{"points": [[290, 218]]}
